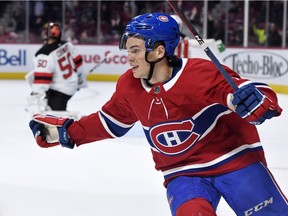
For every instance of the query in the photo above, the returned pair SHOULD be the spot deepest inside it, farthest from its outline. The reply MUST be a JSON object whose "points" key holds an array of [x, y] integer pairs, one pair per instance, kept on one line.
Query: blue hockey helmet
{"points": [[153, 27]]}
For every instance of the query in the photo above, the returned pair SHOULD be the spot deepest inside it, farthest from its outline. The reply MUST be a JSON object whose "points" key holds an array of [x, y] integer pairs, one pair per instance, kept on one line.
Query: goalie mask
{"points": [[153, 27], [52, 30]]}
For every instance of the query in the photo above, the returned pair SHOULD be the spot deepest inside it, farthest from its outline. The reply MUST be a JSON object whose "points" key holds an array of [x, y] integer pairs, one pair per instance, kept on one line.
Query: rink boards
{"points": [[264, 65]]}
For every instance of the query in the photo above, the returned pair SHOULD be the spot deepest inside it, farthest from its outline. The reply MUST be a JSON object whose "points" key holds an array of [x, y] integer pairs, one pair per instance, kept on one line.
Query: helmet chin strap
{"points": [[152, 65]]}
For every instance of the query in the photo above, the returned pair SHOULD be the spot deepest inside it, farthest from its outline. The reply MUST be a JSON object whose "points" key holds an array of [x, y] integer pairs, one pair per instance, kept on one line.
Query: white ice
{"points": [[108, 178]]}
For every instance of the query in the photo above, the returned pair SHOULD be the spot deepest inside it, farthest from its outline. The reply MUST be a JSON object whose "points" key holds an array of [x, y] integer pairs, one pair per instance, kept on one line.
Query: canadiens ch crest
{"points": [[173, 138]]}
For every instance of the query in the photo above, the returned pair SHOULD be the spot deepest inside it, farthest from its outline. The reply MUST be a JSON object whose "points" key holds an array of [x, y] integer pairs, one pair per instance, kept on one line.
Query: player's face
{"points": [[136, 57]]}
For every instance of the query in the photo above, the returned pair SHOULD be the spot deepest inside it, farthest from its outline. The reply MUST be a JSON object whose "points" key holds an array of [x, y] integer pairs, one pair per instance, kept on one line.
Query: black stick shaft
{"points": [[199, 39]]}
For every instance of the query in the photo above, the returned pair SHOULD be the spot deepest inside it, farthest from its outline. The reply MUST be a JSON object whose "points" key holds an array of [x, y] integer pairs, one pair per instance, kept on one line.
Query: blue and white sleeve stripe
{"points": [[112, 126]]}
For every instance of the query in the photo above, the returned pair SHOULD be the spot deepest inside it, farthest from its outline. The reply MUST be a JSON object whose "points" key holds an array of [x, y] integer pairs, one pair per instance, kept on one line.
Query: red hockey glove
{"points": [[251, 104], [51, 131]]}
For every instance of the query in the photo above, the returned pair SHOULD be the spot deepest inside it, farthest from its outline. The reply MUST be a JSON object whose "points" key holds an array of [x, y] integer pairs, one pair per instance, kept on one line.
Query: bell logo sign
{"points": [[15, 59]]}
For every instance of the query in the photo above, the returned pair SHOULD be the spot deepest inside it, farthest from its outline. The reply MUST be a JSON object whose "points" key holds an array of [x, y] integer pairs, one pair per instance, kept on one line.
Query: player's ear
{"points": [[160, 51]]}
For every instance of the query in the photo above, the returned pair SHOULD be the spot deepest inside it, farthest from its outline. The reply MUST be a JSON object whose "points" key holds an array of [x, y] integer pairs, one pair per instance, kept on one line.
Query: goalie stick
{"points": [[100, 63], [201, 42]]}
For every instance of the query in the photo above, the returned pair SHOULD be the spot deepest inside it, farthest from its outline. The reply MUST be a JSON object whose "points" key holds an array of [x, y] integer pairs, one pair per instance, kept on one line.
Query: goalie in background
{"points": [[57, 75]]}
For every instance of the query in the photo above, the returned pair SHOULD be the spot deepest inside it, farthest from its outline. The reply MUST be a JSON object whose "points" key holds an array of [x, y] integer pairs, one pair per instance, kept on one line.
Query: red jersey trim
{"points": [[218, 162]]}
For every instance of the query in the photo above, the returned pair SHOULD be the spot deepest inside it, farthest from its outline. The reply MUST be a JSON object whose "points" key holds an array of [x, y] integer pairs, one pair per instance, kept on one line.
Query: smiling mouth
{"points": [[134, 68]]}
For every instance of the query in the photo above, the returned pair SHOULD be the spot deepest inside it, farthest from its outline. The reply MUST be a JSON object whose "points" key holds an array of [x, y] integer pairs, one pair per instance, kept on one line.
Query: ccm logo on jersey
{"points": [[174, 137], [258, 207]]}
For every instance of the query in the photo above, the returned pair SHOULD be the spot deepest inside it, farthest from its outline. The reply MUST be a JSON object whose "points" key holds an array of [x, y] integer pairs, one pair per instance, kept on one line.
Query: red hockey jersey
{"points": [[187, 123]]}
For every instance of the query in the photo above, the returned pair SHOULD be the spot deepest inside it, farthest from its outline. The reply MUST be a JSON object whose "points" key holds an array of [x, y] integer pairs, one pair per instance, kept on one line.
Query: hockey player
{"points": [[58, 72], [201, 132]]}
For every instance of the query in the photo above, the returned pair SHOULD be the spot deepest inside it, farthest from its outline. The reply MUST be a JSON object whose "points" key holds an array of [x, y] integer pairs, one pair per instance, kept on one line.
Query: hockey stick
{"points": [[100, 63], [201, 42]]}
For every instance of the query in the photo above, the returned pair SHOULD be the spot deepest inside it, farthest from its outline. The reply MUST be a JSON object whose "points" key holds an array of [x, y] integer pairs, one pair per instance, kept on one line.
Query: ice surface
{"points": [[108, 178]]}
